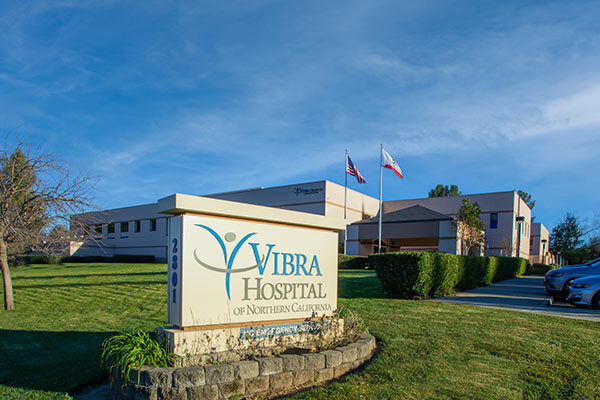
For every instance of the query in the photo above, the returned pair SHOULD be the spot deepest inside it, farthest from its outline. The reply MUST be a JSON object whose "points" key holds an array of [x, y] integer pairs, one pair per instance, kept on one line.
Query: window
{"points": [[493, 220], [98, 229], [138, 225], [125, 226], [111, 227], [152, 224]]}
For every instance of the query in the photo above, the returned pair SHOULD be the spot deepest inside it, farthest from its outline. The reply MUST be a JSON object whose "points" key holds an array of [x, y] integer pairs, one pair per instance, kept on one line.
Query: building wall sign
{"points": [[305, 191], [230, 271]]}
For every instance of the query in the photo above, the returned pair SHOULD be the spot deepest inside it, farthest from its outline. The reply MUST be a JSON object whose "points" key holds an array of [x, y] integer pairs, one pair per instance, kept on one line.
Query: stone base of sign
{"points": [[202, 347], [263, 378]]}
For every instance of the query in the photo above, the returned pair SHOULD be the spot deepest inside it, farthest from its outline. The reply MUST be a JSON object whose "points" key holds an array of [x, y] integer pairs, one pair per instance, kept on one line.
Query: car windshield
{"points": [[593, 263]]}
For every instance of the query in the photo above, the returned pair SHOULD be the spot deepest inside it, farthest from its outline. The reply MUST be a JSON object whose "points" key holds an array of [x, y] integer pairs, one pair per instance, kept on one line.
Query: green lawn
{"points": [[50, 344]]}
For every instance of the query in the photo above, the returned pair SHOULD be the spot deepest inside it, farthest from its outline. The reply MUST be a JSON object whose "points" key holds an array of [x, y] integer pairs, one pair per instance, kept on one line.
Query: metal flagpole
{"points": [[380, 189], [345, 201]]}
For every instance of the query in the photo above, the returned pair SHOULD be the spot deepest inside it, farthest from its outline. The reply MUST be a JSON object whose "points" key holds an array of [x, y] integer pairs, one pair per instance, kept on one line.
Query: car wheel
{"points": [[596, 300]]}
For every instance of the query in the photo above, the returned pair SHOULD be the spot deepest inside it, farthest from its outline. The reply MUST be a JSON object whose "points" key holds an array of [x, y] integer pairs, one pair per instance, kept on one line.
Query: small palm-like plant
{"points": [[134, 348]]}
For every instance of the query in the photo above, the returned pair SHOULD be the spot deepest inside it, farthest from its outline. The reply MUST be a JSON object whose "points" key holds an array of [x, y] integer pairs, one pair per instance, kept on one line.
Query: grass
{"points": [[52, 341], [50, 345]]}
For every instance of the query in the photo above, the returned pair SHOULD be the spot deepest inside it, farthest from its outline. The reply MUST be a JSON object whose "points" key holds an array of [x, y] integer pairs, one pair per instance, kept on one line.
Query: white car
{"points": [[557, 280], [585, 291]]}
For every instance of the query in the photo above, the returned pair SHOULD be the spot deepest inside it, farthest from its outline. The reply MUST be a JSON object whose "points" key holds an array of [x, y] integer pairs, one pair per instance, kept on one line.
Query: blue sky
{"points": [[159, 97]]}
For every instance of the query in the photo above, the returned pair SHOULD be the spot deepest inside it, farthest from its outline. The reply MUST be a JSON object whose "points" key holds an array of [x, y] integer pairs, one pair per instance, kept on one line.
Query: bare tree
{"points": [[507, 245], [37, 193], [469, 227]]}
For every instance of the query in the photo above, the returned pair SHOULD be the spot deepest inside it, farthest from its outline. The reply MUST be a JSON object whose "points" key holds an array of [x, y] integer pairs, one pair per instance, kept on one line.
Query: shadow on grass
{"points": [[359, 284], [19, 278], [51, 361]]}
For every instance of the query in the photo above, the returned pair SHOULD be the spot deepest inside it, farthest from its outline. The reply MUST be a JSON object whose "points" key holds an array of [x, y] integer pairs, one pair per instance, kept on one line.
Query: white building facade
{"points": [[141, 230], [506, 216]]}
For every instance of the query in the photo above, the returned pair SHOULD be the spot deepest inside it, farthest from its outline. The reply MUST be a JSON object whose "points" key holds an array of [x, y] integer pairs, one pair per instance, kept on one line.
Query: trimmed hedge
{"points": [[352, 262], [540, 269], [16, 261], [435, 274]]}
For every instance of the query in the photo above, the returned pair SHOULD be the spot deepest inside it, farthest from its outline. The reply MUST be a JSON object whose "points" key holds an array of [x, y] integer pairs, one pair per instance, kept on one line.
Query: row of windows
{"points": [[137, 227]]}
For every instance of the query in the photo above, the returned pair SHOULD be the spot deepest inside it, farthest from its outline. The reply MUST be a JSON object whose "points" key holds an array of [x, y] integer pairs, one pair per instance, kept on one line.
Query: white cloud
{"points": [[575, 111]]}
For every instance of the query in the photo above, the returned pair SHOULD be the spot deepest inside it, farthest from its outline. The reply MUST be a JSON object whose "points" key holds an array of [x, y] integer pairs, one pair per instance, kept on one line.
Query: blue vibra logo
{"points": [[283, 263], [228, 270]]}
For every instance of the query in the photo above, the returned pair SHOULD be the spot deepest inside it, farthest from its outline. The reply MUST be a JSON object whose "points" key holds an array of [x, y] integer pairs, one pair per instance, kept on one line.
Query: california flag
{"points": [[388, 162]]}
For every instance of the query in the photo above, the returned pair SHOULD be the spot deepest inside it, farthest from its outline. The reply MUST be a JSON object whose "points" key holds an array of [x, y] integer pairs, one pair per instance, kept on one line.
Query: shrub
{"points": [[133, 348], [539, 268], [404, 275], [423, 275], [15, 261], [352, 262], [475, 272]]}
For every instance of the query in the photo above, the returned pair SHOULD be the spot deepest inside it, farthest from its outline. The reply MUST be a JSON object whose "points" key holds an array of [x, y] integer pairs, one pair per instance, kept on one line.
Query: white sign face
{"points": [[224, 271]]}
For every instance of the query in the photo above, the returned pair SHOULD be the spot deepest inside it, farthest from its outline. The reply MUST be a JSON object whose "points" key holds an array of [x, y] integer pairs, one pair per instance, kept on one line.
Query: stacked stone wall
{"points": [[264, 378]]}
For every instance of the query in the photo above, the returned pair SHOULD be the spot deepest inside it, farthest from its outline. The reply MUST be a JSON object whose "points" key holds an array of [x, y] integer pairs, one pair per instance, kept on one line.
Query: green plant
{"points": [[539, 268], [353, 323], [424, 275], [133, 348], [352, 262]]}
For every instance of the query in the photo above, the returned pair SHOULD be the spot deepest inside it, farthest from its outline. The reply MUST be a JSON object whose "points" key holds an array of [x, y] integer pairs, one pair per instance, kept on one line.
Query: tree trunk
{"points": [[9, 302]]}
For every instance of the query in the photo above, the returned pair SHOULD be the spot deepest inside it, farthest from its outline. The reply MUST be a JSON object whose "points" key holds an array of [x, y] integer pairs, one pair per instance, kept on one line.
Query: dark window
{"points": [[152, 224], [138, 225], [98, 229], [494, 221], [111, 227], [124, 226]]}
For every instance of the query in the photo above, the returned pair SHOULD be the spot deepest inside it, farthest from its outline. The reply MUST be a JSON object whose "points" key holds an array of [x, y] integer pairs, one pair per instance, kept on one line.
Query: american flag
{"points": [[352, 170]]}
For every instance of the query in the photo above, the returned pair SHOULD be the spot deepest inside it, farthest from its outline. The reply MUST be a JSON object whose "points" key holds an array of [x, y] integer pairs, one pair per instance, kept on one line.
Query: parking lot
{"points": [[525, 294]]}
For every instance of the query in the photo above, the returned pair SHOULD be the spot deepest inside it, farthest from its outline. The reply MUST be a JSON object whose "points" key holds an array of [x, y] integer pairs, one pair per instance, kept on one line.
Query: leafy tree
{"points": [[566, 236], [527, 198], [444, 191], [470, 227], [36, 194]]}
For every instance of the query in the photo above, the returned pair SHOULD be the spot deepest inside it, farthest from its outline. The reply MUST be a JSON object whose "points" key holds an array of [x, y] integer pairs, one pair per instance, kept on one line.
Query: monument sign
{"points": [[234, 264]]}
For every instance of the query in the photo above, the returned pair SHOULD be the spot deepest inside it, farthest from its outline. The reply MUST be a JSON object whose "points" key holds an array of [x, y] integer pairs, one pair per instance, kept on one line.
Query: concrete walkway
{"points": [[524, 294]]}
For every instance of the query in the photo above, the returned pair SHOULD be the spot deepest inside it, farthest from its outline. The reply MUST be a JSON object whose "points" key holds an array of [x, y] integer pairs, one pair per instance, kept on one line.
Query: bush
{"points": [[352, 262], [404, 275], [15, 261], [424, 275], [540, 269], [133, 348]]}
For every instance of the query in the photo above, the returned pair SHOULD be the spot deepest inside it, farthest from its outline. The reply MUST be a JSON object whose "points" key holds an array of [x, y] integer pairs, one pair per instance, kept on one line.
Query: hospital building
{"points": [[424, 224]]}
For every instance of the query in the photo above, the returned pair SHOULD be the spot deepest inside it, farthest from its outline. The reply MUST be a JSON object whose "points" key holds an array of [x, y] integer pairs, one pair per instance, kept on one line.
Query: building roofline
{"points": [[460, 195], [235, 191], [261, 188], [437, 216], [115, 209]]}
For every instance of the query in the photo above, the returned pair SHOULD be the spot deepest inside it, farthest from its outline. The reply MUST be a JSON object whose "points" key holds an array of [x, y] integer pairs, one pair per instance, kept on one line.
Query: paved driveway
{"points": [[524, 294]]}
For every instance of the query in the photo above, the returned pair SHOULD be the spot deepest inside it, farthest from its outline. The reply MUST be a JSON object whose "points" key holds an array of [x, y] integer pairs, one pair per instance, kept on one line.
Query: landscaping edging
{"points": [[264, 377]]}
